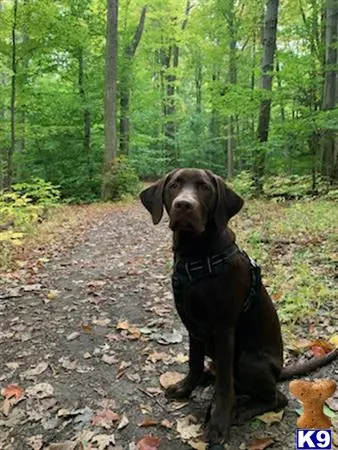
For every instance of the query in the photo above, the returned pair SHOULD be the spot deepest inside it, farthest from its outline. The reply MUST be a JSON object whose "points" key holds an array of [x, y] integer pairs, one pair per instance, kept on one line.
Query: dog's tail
{"points": [[307, 367]]}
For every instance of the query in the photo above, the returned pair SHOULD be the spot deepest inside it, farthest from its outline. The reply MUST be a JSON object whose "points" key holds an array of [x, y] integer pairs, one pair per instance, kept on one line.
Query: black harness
{"points": [[185, 274]]}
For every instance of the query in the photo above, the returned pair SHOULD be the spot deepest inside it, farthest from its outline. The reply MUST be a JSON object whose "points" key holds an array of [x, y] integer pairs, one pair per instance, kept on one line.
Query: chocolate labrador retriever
{"points": [[221, 301]]}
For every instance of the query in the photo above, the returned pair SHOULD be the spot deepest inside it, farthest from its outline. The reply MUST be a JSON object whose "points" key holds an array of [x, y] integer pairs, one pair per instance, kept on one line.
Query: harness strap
{"points": [[187, 273]]}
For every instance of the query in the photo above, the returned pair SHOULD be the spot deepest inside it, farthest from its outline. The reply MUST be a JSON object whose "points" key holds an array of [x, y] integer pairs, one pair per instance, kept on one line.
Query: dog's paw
{"points": [[217, 431], [179, 391]]}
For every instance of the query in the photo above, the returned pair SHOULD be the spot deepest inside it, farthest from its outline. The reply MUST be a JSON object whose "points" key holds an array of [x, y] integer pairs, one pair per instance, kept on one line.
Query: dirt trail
{"points": [[119, 273]]}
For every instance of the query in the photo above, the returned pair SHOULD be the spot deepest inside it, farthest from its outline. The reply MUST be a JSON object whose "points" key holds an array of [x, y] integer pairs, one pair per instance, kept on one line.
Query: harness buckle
{"points": [[186, 266], [209, 265]]}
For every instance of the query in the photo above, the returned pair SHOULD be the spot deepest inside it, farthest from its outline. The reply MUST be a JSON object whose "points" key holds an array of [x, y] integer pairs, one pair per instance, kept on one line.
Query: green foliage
{"points": [[294, 186], [243, 184], [125, 180], [295, 244], [38, 191], [24, 206], [51, 105]]}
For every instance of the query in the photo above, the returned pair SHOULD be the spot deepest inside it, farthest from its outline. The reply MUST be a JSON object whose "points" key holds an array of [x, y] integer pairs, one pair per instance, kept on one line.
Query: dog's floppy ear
{"points": [[152, 198], [228, 203]]}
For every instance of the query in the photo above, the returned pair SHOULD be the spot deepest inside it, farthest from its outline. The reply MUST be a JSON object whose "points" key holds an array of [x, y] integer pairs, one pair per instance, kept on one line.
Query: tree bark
{"points": [[85, 107], [330, 93], [110, 129], [11, 149], [269, 49], [21, 142], [171, 59], [231, 22], [198, 87], [125, 85]]}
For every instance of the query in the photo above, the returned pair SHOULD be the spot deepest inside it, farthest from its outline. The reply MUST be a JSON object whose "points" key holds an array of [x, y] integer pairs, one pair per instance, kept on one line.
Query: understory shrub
{"points": [[125, 180]]}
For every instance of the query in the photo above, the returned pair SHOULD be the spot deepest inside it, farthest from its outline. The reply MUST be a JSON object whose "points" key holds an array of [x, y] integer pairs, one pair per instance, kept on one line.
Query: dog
{"points": [[222, 302]]}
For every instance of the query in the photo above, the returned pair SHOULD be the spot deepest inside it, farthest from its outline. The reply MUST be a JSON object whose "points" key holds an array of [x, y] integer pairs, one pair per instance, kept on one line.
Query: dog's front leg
{"points": [[184, 388], [218, 427]]}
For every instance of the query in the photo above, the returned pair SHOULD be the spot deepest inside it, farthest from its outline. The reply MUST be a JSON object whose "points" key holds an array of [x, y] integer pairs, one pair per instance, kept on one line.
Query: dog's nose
{"points": [[183, 204]]}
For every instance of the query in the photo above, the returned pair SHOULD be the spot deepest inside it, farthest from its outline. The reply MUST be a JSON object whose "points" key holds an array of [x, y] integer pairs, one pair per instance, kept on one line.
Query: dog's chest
{"points": [[191, 304]]}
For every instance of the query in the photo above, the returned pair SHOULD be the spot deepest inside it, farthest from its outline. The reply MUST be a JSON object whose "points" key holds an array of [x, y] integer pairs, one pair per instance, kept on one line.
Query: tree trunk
{"points": [[84, 102], [171, 59], [110, 131], [125, 84], [232, 81], [329, 137], [198, 87], [11, 149], [253, 80], [231, 145], [269, 49]]}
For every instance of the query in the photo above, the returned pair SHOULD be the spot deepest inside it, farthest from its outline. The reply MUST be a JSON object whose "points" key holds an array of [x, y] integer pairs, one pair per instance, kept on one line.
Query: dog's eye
{"points": [[173, 185], [204, 186]]}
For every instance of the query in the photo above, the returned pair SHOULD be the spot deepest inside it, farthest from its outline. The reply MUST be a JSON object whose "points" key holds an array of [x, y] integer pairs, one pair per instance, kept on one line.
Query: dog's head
{"points": [[193, 198]]}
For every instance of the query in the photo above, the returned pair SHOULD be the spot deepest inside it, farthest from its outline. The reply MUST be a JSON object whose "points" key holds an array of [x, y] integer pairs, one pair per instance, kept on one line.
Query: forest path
{"points": [[90, 334]]}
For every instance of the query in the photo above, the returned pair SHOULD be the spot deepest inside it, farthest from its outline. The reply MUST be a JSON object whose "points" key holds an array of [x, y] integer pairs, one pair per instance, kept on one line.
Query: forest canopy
{"points": [[188, 90]]}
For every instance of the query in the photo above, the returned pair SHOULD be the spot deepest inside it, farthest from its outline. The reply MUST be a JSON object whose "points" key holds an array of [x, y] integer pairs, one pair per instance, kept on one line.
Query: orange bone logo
{"points": [[313, 395]]}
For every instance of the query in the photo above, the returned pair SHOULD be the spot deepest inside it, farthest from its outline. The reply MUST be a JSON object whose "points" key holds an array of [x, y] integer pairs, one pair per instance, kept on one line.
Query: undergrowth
{"points": [[295, 243]]}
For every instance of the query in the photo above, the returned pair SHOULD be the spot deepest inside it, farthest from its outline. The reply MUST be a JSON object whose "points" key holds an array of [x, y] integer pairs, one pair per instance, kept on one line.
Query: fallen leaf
{"points": [[158, 356], [181, 358], [40, 390], [334, 340], [103, 441], [320, 347], [197, 445], [86, 328], [73, 336], [133, 332], [38, 370], [12, 390], [300, 344], [6, 405], [167, 424], [12, 365], [12, 293], [50, 424], [35, 442], [123, 423], [146, 409], [48, 403], [188, 428], [271, 417], [52, 295], [333, 403], [147, 423], [170, 338], [329, 412], [122, 325], [83, 419], [260, 444], [67, 364], [148, 443], [102, 322], [67, 445], [85, 436], [109, 359], [169, 378], [105, 418], [277, 296], [31, 287]]}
